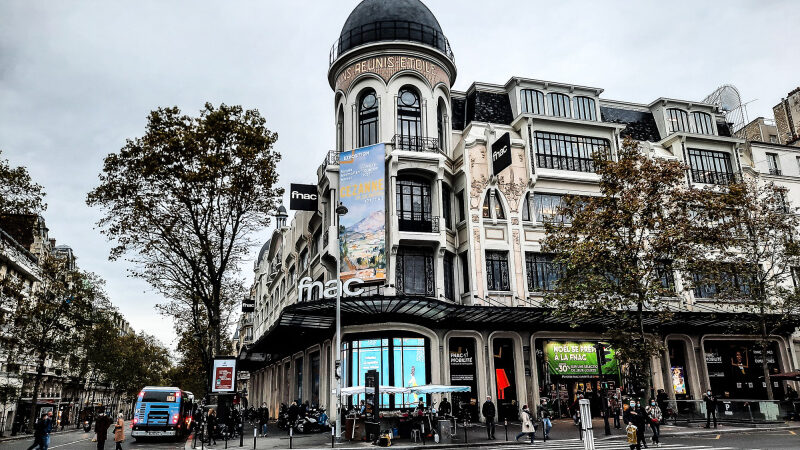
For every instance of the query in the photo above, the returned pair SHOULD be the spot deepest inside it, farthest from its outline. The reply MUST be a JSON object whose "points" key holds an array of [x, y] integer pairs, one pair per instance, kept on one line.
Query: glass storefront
{"points": [[735, 369], [505, 379], [400, 359], [463, 372], [315, 378], [678, 368]]}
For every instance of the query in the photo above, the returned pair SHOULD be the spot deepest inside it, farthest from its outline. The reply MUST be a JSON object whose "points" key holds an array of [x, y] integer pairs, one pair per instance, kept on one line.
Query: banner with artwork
{"points": [[362, 230], [576, 359]]}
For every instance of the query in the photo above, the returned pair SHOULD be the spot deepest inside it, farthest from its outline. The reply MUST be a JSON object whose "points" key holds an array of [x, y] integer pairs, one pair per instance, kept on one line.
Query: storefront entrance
{"points": [[463, 373], [505, 380], [735, 369]]}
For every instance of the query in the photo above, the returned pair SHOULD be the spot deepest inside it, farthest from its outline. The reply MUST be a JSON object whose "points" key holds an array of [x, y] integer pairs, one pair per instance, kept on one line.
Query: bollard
{"points": [[465, 431], [255, 434], [505, 422], [333, 435], [291, 434], [241, 434]]}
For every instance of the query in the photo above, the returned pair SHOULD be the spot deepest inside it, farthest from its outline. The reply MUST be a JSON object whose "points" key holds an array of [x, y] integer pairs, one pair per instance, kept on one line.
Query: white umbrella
{"points": [[438, 389], [355, 390]]}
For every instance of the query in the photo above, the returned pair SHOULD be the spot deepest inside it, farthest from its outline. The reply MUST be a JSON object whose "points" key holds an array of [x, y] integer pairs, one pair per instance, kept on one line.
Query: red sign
{"points": [[223, 378]]}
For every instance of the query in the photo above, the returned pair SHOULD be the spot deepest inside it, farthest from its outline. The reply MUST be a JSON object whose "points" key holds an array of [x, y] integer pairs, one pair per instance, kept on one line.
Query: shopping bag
{"points": [[631, 430]]}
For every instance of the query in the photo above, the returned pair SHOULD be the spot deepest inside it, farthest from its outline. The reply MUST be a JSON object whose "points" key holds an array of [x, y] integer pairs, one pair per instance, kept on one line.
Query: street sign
{"points": [[501, 153]]}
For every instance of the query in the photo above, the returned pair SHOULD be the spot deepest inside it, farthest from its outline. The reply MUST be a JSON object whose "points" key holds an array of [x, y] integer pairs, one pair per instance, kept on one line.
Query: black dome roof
{"points": [[385, 20]]}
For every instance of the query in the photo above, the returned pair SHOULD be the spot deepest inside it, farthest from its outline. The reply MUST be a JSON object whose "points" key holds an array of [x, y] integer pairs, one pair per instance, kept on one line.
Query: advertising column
{"points": [[223, 375], [362, 231]]}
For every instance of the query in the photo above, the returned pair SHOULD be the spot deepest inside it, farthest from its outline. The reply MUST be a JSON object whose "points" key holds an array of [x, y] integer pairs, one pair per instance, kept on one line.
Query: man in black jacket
{"points": [[711, 408], [489, 412]]}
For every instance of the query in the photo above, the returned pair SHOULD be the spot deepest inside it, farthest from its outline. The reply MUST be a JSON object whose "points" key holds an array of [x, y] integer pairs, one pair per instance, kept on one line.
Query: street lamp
{"points": [[340, 211]]}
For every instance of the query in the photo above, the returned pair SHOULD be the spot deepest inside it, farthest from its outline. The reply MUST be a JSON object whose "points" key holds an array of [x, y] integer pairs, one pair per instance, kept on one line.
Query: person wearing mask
{"points": [[489, 412], [528, 426], [710, 401], [119, 432], [655, 415], [634, 416], [263, 418], [544, 415]]}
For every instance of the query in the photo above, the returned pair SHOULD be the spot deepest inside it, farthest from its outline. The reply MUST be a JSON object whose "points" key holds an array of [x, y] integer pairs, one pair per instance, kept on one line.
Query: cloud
{"points": [[78, 78]]}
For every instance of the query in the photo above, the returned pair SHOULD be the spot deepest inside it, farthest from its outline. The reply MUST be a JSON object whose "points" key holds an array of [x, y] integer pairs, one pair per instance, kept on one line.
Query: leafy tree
{"points": [[752, 265], [47, 317], [18, 193], [618, 255], [182, 200]]}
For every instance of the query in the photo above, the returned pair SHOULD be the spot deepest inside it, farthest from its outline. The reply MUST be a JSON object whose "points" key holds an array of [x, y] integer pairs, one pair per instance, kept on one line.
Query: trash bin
{"points": [[445, 429]]}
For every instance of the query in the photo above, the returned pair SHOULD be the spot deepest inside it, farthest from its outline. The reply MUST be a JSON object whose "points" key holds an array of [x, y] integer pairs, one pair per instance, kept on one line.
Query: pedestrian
{"points": [[528, 426], [119, 432], [211, 426], [655, 415], [634, 416], [38, 433], [294, 413], [489, 413], [48, 427], [641, 420], [444, 407], [544, 415], [661, 399], [101, 425], [710, 401], [263, 418], [614, 409]]}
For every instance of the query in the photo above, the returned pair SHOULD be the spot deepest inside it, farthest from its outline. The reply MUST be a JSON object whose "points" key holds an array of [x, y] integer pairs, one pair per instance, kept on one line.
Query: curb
{"points": [[21, 437], [702, 431]]}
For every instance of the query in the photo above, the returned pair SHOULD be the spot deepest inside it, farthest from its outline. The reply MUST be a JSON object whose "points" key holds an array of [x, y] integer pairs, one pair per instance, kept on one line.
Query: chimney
{"points": [[52, 243]]}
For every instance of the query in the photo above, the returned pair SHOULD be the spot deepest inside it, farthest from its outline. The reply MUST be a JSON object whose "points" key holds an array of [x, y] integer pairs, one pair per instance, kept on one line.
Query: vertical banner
{"points": [[223, 375], [362, 231]]}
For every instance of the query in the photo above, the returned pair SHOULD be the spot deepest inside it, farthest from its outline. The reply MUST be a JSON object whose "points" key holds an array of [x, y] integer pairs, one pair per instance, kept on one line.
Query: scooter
{"points": [[86, 426]]}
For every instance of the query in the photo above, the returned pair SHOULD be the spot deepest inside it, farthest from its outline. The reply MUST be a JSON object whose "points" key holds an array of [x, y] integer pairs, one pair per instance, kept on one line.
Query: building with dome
{"points": [[453, 293]]}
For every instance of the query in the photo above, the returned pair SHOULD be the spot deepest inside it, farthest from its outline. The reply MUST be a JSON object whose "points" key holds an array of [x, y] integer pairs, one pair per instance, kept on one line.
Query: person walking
{"points": [[528, 426], [634, 416], [489, 413], [38, 433], [48, 428], [614, 408], [710, 401], [263, 418], [544, 415], [444, 407], [211, 427], [119, 432], [655, 415], [101, 426]]}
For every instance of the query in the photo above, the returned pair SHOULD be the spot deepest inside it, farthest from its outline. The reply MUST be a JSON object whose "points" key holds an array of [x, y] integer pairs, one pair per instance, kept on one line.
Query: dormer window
{"points": [[584, 108], [702, 123], [559, 104], [532, 101], [492, 207], [678, 120]]}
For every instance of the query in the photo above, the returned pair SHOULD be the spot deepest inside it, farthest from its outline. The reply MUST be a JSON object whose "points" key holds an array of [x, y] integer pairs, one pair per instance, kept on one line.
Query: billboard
{"points": [[362, 231], [223, 375], [576, 359]]}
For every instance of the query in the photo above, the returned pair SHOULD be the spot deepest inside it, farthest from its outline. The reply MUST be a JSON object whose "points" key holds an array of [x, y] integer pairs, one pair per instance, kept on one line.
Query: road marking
{"points": [[790, 431], [68, 443], [718, 436]]}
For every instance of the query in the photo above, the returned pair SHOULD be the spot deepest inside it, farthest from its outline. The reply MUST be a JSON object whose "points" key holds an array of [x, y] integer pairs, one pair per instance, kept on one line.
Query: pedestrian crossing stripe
{"points": [[576, 444]]}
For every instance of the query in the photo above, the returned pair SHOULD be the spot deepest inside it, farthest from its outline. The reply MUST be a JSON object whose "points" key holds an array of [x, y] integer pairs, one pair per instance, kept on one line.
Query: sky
{"points": [[77, 78]]}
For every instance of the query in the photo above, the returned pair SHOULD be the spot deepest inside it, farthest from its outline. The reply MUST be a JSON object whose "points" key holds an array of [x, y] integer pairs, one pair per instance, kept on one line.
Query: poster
{"points": [[362, 233], [678, 380], [223, 375], [576, 359]]}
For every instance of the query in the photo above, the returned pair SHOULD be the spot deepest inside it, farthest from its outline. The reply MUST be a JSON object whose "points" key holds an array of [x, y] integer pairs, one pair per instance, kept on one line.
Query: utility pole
{"points": [[600, 351], [340, 211]]}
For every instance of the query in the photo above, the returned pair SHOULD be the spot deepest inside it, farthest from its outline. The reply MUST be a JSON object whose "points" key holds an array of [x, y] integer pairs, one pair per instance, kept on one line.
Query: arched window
{"points": [[367, 118], [340, 130], [409, 122], [584, 108], [702, 123], [441, 124], [678, 120], [492, 206], [559, 104], [532, 101]]}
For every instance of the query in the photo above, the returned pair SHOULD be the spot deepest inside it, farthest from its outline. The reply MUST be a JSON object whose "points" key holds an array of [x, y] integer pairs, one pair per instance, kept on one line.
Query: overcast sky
{"points": [[78, 78]]}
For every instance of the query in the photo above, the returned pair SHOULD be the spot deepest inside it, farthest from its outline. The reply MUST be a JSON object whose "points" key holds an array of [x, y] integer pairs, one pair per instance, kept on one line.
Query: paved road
{"points": [[80, 440]]}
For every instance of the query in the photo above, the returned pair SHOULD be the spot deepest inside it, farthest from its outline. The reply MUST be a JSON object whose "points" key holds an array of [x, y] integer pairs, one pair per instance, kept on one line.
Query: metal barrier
{"points": [[729, 410]]}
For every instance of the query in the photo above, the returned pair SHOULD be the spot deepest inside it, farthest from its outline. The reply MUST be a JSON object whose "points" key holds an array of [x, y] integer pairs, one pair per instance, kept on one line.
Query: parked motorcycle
{"points": [[283, 417], [315, 420]]}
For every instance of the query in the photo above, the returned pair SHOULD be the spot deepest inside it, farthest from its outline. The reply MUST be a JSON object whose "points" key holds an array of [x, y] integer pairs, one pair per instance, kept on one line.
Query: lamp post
{"points": [[340, 211]]}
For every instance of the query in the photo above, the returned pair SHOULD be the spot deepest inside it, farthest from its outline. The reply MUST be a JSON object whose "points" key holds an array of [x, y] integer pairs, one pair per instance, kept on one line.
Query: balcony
{"points": [[559, 162], [416, 144], [331, 159], [714, 177], [775, 171], [418, 222], [390, 30]]}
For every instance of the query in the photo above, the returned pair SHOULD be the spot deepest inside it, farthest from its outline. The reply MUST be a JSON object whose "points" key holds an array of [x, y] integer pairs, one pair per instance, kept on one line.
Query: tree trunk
{"points": [[37, 383], [764, 364], [648, 365]]}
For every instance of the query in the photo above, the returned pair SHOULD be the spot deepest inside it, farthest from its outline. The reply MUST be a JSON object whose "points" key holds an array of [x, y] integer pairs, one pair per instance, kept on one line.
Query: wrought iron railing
{"points": [[416, 143], [391, 30], [331, 159], [418, 222], [775, 171], [714, 177]]}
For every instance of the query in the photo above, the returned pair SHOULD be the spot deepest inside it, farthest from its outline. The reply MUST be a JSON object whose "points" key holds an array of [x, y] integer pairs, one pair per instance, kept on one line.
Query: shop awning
{"points": [[304, 324], [789, 376]]}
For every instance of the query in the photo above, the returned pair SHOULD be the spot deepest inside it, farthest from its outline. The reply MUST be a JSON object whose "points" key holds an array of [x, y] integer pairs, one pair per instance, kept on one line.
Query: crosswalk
{"points": [[611, 444]]}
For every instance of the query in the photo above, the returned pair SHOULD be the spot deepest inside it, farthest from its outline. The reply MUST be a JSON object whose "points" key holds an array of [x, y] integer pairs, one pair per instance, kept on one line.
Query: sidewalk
{"points": [[476, 436]]}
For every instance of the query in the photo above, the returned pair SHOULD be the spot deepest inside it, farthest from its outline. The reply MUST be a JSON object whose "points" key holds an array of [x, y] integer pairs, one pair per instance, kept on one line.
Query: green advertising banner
{"points": [[576, 359]]}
